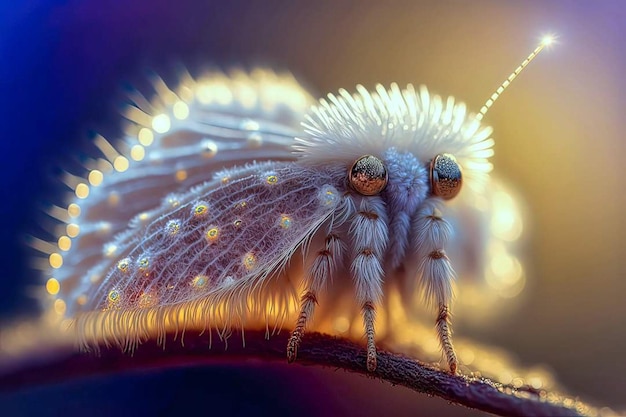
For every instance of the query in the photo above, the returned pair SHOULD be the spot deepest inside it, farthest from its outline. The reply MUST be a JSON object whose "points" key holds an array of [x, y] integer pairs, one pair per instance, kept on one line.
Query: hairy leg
{"points": [[369, 237], [320, 273], [432, 233]]}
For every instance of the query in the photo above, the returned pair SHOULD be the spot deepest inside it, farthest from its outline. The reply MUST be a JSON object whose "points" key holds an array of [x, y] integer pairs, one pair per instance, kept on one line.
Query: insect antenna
{"points": [[545, 41]]}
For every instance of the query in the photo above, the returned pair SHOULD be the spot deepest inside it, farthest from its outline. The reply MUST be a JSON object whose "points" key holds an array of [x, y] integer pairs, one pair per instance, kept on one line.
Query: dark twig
{"points": [[316, 349]]}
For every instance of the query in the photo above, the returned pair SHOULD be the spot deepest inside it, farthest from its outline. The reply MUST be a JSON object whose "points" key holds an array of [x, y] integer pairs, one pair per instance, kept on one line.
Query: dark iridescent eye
{"points": [[445, 176], [368, 175]]}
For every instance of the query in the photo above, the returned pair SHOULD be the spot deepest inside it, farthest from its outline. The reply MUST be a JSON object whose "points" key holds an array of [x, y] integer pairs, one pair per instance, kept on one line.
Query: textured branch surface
{"points": [[317, 349]]}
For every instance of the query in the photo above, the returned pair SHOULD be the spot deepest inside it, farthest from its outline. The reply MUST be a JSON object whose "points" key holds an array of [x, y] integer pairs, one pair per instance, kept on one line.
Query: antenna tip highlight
{"points": [[548, 40]]}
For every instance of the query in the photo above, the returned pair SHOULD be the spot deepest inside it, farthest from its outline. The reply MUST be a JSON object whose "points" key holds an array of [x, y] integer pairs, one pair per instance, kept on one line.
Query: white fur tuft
{"points": [[347, 126]]}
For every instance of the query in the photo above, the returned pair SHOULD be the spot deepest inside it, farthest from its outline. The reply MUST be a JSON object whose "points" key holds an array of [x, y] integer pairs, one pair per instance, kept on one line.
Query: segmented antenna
{"points": [[547, 40]]}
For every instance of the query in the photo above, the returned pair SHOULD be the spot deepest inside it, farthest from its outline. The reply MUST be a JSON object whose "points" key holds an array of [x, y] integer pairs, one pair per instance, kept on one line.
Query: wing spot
{"points": [[181, 175], [199, 281], [200, 210], [114, 298], [144, 264], [124, 265], [271, 180], [212, 234], [285, 221], [249, 261], [328, 195], [172, 200], [173, 227]]}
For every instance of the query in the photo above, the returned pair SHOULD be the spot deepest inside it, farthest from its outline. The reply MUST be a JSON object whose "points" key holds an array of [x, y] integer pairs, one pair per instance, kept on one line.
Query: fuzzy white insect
{"points": [[358, 189]]}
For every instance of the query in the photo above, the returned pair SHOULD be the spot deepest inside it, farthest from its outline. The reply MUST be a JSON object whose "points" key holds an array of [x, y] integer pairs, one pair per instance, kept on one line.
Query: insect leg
{"points": [[321, 271], [369, 236], [444, 333], [436, 272]]}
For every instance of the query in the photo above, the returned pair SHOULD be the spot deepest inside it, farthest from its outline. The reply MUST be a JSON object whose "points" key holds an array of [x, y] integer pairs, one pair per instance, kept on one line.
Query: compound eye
{"points": [[445, 176], [368, 175]]}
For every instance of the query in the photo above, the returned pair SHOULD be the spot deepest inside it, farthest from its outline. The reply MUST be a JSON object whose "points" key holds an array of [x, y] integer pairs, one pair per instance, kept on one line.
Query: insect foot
{"points": [[308, 304], [368, 316], [445, 337]]}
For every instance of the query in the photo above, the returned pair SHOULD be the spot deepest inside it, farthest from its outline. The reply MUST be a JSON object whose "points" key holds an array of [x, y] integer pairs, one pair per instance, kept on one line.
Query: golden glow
{"points": [[245, 94], [95, 177], [181, 175], [505, 377], [341, 324], [81, 300], [535, 382], [466, 355], [271, 179], [203, 94], [506, 222], [505, 273], [137, 153], [161, 123], [181, 110], [184, 92], [514, 289], [82, 190], [72, 229], [64, 243], [145, 136], [120, 163], [214, 91], [431, 345], [53, 286], [73, 210], [56, 260], [503, 265], [59, 306]]}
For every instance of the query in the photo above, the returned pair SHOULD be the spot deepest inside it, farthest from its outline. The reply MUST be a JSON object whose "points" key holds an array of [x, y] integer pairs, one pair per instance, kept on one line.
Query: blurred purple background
{"points": [[559, 139]]}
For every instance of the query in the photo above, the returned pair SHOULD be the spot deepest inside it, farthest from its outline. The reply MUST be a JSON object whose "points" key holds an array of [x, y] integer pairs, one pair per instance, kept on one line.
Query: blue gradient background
{"points": [[559, 131]]}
